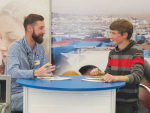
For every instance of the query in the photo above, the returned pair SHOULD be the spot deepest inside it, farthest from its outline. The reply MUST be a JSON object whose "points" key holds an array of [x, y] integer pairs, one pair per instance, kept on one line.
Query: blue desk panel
{"points": [[74, 84]]}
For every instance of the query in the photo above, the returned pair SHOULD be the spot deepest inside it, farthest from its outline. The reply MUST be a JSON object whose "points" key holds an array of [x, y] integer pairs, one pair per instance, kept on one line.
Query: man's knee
{"points": [[17, 102]]}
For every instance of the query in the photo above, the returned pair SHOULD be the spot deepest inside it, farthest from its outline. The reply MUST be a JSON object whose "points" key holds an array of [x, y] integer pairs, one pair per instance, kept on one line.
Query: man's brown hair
{"points": [[31, 20], [122, 26]]}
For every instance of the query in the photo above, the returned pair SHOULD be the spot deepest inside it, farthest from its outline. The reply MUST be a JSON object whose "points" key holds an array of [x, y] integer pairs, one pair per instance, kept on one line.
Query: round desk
{"points": [[69, 96]]}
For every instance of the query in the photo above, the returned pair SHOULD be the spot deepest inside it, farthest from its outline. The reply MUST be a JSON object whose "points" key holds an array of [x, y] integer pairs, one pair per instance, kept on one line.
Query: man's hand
{"points": [[111, 78], [96, 71], [45, 70]]}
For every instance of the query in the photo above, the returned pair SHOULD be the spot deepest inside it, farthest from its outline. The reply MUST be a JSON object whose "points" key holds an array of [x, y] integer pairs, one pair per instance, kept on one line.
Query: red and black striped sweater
{"points": [[127, 62]]}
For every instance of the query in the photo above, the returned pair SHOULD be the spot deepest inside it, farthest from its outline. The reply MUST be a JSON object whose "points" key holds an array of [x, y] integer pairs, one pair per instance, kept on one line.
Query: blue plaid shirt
{"points": [[21, 65]]}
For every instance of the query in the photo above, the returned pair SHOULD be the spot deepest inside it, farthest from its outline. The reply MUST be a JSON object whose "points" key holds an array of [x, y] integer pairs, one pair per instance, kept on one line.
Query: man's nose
{"points": [[44, 31]]}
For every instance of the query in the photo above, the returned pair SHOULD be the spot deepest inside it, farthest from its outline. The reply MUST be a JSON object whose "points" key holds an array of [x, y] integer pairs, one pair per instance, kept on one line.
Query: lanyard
{"points": [[29, 60]]}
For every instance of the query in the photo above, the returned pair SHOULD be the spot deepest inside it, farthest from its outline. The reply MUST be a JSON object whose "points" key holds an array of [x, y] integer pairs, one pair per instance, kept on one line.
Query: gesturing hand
{"points": [[45, 70]]}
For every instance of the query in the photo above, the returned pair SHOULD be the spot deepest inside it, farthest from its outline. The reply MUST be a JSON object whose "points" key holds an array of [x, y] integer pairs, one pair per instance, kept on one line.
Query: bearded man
{"points": [[26, 58]]}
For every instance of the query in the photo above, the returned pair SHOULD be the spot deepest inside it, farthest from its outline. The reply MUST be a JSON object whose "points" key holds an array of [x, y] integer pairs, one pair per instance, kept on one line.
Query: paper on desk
{"points": [[94, 79], [55, 78]]}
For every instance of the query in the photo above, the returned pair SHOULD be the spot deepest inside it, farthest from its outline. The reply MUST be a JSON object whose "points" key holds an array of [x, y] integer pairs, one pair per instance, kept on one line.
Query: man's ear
{"points": [[29, 28], [125, 35]]}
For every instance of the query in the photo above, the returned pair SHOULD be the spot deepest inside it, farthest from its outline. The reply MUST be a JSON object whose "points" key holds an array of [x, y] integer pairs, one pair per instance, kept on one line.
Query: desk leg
{"points": [[25, 100], [55, 101], [113, 101]]}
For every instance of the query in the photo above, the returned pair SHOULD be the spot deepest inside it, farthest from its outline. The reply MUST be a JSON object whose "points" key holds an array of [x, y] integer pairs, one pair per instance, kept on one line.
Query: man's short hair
{"points": [[122, 26], [31, 20]]}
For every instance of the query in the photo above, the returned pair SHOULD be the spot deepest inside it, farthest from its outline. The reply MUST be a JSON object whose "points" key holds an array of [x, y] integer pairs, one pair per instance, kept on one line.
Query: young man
{"points": [[125, 63], [26, 58]]}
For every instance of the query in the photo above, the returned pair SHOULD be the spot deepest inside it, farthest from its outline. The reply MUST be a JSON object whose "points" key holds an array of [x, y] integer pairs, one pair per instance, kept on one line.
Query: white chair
{"points": [[5, 94]]}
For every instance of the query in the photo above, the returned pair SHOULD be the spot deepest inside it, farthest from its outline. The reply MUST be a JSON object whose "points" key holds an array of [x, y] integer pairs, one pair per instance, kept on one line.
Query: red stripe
{"points": [[125, 62], [120, 62], [138, 60], [109, 62]]}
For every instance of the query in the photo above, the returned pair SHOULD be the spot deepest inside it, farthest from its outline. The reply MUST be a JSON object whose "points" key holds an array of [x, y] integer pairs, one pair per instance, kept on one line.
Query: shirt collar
{"points": [[131, 43], [28, 47]]}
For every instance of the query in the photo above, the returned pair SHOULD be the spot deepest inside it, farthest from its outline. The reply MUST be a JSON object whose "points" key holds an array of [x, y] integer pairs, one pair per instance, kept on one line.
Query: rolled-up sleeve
{"points": [[108, 67]]}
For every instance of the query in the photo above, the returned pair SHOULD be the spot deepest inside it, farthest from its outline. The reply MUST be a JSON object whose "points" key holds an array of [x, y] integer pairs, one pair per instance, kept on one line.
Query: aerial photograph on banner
{"points": [[80, 32]]}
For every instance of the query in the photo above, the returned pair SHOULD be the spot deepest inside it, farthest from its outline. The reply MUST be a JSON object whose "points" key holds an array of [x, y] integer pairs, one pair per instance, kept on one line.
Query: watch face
{"points": [[2, 91]]}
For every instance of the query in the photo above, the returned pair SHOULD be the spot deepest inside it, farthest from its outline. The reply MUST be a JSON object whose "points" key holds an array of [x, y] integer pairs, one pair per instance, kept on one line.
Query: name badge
{"points": [[37, 63]]}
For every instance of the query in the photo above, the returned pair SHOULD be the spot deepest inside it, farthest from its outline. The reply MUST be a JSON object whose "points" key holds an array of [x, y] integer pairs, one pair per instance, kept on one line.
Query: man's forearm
{"points": [[18, 73], [122, 78]]}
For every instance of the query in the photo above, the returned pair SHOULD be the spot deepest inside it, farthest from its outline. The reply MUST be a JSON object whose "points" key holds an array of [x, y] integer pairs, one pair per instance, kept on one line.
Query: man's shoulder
{"points": [[15, 45], [136, 47], [135, 50], [112, 50]]}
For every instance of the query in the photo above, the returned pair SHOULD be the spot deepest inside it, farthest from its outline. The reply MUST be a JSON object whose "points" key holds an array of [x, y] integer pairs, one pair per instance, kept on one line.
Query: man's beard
{"points": [[37, 38]]}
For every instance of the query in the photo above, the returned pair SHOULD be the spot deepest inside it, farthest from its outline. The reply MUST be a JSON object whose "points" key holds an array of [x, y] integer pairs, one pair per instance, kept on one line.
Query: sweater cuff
{"points": [[131, 79]]}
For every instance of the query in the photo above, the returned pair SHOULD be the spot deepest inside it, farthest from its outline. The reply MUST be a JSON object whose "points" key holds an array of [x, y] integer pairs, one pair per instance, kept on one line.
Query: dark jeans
{"points": [[127, 107]]}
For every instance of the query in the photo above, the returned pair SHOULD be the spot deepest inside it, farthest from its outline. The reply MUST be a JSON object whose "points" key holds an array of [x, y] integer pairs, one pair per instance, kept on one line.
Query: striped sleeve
{"points": [[108, 67], [137, 70]]}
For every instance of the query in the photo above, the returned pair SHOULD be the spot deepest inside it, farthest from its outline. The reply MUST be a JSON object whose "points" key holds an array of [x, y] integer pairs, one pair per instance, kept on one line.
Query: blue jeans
{"points": [[17, 102]]}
